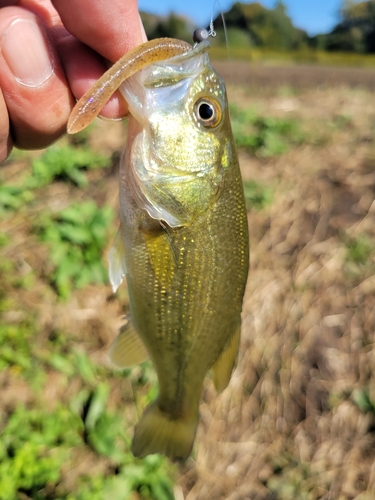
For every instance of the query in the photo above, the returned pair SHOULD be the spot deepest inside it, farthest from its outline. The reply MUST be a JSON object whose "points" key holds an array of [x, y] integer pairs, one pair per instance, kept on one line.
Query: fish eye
{"points": [[207, 112]]}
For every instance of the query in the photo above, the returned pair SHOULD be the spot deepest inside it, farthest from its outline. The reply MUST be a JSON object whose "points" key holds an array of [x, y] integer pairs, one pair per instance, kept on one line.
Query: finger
{"points": [[83, 67], [110, 28], [5, 137], [34, 87]]}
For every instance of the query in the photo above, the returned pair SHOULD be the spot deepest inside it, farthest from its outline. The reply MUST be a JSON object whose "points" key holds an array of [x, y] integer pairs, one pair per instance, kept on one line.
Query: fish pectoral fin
{"points": [[162, 255], [116, 260], [127, 349], [223, 366]]}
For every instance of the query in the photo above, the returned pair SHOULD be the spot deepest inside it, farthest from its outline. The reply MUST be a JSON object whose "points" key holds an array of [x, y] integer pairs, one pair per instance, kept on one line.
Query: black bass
{"points": [[183, 239]]}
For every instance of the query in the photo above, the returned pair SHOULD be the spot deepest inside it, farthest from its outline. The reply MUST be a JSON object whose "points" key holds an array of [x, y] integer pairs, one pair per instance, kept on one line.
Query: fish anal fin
{"points": [[116, 260], [162, 255], [127, 349], [223, 366], [159, 432]]}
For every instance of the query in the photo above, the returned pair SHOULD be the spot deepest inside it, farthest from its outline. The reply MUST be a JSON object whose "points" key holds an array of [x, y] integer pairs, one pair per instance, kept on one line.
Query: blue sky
{"points": [[314, 16]]}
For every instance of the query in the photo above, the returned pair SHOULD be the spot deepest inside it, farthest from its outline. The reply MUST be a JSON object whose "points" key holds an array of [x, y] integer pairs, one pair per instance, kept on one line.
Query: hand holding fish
{"points": [[51, 52]]}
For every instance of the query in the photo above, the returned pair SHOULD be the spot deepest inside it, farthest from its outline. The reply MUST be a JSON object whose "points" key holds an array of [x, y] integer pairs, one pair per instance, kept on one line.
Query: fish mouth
{"points": [[170, 71], [164, 82]]}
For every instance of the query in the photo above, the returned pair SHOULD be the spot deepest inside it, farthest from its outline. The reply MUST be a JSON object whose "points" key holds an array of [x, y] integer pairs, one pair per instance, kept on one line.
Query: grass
{"points": [[297, 418]]}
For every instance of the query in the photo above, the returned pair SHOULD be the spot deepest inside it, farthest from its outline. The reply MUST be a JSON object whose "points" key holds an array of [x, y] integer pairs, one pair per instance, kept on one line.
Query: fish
{"points": [[183, 243]]}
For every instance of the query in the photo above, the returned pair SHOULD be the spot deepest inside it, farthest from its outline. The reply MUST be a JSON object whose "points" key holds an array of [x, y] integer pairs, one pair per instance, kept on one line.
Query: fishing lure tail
{"points": [[158, 432]]}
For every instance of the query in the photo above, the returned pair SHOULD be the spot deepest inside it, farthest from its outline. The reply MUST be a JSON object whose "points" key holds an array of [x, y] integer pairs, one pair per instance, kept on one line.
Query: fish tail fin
{"points": [[159, 432]]}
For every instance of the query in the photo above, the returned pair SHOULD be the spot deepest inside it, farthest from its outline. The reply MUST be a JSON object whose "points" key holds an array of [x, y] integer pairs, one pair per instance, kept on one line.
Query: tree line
{"points": [[253, 25]]}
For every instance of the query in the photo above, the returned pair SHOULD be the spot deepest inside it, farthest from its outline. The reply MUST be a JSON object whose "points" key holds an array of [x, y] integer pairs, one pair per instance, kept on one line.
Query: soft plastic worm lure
{"points": [[91, 103]]}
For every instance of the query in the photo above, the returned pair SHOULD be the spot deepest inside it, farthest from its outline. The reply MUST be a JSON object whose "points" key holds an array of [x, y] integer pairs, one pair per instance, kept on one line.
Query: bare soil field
{"points": [[299, 76], [297, 420]]}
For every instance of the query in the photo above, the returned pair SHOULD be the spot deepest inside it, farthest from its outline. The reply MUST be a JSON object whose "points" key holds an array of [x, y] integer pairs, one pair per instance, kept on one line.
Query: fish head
{"points": [[176, 161]]}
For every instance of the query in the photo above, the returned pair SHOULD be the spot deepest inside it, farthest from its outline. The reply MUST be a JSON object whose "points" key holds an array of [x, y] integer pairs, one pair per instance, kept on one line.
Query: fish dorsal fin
{"points": [[116, 260], [127, 349], [223, 366], [162, 255]]}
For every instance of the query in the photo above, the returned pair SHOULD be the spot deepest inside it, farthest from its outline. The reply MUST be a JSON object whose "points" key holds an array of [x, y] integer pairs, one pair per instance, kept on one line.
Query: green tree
{"points": [[264, 27], [356, 30], [173, 26]]}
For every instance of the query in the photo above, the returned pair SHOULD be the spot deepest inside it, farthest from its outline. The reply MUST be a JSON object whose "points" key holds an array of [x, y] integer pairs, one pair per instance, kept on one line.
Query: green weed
{"points": [[34, 446], [148, 477], [256, 195], [65, 163], [13, 197], [359, 249], [362, 399], [263, 136], [76, 237], [342, 121], [15, 340]]}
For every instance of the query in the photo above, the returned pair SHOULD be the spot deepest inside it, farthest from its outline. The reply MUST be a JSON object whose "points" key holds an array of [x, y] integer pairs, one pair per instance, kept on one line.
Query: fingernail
{"points": [[26, 52]]}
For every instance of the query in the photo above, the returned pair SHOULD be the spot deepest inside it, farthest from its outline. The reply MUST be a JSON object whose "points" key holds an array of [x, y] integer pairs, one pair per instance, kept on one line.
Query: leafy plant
{"points": [[36, 443], [256, 195], [34, 446], [263, 136], [361, 397], [359, 249], [13, 197], [76, 238], [65, 163]]}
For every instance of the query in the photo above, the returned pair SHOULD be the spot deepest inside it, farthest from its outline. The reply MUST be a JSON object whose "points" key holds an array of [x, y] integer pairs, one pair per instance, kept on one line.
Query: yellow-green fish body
{"points": [[182, 244]]}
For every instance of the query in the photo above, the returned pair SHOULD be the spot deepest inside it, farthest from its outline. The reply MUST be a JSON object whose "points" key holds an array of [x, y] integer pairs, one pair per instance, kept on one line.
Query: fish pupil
{"points": [[206, 111]]}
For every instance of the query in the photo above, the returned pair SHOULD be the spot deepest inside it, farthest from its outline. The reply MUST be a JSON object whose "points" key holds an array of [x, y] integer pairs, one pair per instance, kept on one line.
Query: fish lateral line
{"points": [[92, 102]]}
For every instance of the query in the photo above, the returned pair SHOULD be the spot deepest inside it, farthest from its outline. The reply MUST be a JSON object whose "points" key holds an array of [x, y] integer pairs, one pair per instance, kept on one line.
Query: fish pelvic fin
{"points": [[127, 349], [116, 260], [223, 366], [159, 432]]}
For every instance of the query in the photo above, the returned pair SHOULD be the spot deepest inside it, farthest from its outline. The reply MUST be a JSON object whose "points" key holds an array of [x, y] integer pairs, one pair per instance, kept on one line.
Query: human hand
{"points": [[51, 52]]}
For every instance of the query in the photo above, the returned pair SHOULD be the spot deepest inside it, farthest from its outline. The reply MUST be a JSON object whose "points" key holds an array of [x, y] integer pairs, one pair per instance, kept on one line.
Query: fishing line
{"points": [[201, 34], [231, 79], [223, 21]]}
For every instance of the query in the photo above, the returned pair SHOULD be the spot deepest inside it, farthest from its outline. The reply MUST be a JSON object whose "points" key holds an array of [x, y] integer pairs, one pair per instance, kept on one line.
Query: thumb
{"points": [[32, 80]]}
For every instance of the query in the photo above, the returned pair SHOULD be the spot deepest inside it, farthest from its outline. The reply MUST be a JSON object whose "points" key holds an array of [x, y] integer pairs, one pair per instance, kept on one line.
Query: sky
{"points": [[317, 16]]}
